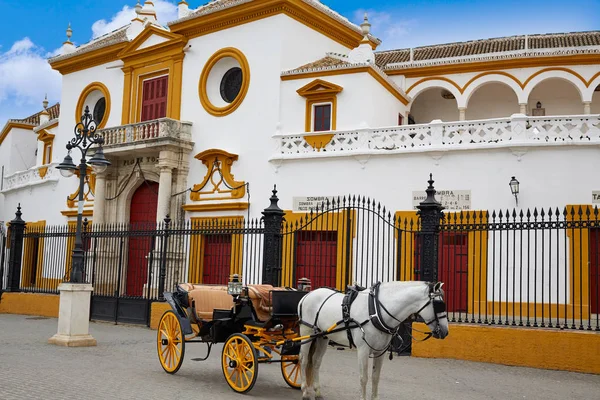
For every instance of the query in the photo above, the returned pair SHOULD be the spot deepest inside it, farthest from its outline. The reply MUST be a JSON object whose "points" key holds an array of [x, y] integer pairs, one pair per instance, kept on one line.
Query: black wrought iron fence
{"points": [[3, 258], [537, 268]]}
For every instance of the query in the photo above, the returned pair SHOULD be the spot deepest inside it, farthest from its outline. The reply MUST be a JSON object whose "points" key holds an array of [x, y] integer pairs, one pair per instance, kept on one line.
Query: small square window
{"points": [[322, 117]]}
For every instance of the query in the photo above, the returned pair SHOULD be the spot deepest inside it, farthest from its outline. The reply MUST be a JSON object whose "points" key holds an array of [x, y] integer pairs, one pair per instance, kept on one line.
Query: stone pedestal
{"points": [[74, 316]]}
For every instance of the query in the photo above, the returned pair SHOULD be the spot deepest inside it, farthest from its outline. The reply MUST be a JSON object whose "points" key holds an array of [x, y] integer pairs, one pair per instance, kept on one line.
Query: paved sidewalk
{"points": [[124, 365]]}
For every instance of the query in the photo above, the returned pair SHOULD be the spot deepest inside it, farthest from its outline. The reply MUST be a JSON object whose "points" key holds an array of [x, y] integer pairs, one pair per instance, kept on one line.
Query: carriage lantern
{"points": [[304, 285], [234, 287]]}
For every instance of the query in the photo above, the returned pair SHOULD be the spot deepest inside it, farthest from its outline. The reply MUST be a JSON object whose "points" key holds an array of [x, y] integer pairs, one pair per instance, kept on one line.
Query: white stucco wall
{"points": [[430, 105], [558, 97], [492, 100], [364, 102]]}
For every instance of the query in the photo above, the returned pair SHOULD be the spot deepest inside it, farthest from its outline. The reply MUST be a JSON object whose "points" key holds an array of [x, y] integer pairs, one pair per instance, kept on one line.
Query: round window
{"points": [[231, 84], [99, 109]]}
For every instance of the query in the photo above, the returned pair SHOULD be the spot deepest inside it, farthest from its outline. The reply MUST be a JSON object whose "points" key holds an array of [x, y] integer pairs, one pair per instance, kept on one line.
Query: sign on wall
{"points": [[596, 197], [305, 204], [450, 199]]}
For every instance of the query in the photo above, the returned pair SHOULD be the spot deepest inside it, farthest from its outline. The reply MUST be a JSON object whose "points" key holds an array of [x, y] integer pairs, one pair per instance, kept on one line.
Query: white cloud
{"points": [[25, 77], [393, 30], [165, 11]]}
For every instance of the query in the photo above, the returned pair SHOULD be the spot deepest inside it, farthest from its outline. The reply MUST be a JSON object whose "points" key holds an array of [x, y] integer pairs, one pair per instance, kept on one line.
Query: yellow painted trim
{"points": [[45, 305], [208, 158], [215, 207], [407, 221], [73, 213], [319, 92], [90, 184], [196, 266], [435, 78], [48, 139], [565, 350], [339, 222], [257, 10], [203, 93], [567, 70], [42, 171], [579, 59], [90, 59], [27, 278], [157, 309], [10, 125], [318, 141], [164, 58], [84, 94]]}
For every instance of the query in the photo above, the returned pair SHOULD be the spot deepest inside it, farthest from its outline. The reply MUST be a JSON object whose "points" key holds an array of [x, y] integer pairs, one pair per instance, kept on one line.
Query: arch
{"points": [[556, 72], [556, 96], [595, 98], [427, 83], [429, 104], [494, 77], [492, 99], [127, 192], [591, 87]]}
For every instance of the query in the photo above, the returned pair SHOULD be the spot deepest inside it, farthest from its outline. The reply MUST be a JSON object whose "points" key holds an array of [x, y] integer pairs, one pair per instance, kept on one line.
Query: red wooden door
{"points": [[142, 219], [453, 269], [217, 259], [316, 257], [595, 270], [154, 98]]}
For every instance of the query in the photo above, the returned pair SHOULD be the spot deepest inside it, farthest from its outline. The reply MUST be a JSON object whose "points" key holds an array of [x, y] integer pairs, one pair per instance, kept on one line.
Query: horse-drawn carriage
{"points": [[256, 323], [263, 324]]}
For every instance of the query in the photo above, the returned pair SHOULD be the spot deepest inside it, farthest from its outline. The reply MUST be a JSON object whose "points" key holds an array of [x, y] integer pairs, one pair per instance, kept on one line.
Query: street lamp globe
{"points": [[98, 162], [67, 167]]}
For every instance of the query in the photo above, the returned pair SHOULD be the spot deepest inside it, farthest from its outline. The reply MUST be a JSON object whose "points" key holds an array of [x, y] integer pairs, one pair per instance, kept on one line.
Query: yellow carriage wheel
{"points": [[170, 342], [240, 363], [290, 369]]}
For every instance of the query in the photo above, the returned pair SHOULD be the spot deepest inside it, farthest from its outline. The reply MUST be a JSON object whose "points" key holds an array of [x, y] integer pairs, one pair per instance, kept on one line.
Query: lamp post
{"points": [[85, 138]]}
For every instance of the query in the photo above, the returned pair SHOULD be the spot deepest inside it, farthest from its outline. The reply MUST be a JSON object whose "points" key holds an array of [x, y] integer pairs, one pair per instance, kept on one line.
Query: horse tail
{"points": [[309, 364]]}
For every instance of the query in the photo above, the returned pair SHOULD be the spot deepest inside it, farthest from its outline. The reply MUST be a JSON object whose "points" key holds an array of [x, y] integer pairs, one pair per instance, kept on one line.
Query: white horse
{"points": [[322, 309]]}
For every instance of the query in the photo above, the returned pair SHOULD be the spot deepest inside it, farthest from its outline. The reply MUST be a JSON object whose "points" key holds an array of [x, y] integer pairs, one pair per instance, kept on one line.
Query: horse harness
{"points": [[375, 316]]}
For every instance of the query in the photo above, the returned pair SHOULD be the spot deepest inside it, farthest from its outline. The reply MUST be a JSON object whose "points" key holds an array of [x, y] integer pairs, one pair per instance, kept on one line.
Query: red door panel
{"points": [[594, 270], [316, 257], [154, 98], [142, 218], [217, 259], [453, 269]]}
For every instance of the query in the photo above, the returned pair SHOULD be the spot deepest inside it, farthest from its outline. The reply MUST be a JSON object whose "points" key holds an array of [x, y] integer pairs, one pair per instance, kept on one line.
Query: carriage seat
{"points": [[261, 300], [207, 298]]}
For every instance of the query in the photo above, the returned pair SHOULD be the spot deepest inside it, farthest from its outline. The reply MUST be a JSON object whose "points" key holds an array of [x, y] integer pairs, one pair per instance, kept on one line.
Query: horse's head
{"points": [[434, 313]]}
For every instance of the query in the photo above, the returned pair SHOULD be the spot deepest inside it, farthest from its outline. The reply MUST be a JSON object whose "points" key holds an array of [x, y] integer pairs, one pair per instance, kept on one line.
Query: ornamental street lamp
{"points": [[514, 188], [85, 137]]}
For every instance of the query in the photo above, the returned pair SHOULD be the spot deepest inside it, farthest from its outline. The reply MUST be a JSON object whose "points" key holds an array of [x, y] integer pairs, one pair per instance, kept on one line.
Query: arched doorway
{"points": [[434, 103], [142, 218], [595, 106]]}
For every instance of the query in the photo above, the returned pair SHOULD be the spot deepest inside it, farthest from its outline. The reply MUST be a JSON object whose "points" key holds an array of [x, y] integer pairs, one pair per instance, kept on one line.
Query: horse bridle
{"points": [[435, 297]]}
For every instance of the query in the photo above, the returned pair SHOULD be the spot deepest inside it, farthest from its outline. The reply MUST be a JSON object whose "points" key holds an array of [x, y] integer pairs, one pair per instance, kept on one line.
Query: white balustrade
{"points": [[30, 177], [147, 130], [517, 130]]}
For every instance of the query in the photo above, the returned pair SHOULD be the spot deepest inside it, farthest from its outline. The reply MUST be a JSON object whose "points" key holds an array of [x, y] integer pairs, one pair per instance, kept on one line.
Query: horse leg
{"points": [[321, 348], [363, 369], [306, 369], [377, 364]]}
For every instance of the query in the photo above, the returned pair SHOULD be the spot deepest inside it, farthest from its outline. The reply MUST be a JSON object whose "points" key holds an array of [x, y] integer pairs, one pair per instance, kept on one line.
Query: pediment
{"points": [[151, 38], [318, 87], [45, 136]]}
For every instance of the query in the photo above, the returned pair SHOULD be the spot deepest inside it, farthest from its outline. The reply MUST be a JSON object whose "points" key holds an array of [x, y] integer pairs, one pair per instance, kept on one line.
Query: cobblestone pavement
{"points": [[124, 365]]}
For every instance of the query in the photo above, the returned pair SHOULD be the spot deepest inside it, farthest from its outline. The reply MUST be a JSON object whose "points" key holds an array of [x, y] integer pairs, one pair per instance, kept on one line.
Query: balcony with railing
{"points": [[33, 176], [148, 134], [517, 131]]}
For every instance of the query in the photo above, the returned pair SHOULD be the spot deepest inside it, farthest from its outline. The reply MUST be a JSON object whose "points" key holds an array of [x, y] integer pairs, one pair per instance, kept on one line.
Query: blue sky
{"points": [[31, 30]]}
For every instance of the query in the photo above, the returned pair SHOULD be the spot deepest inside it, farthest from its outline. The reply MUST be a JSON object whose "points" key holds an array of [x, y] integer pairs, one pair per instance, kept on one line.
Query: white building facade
{"points": [[288, 92]]}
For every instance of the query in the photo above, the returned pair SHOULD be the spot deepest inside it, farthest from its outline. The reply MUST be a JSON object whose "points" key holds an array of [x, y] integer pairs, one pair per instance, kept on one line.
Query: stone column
{"points": [[523, 108], [100, 199], [587, 107], [166, 164], [462, 113]]}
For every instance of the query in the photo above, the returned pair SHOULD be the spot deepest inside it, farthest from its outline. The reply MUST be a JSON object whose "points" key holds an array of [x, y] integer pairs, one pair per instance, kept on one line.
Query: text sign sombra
{"points": [[305, 204], [450, 199], [596, 197]]}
